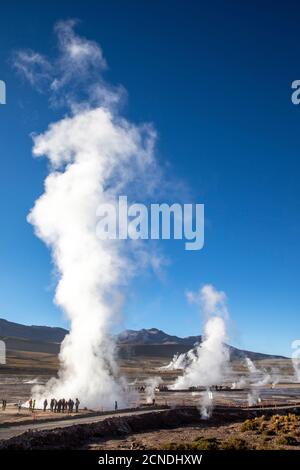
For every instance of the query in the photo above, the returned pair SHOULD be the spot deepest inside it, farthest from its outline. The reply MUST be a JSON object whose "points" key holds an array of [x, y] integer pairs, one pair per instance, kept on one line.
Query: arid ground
{"points": [[229, 430]]}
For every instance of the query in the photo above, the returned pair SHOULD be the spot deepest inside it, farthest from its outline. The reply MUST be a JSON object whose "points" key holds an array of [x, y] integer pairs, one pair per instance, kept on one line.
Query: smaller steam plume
{"points": [[253, 398], [296, 359], [262, 377], [181, 361], [251, 366], [206, 405], [151, 385], [208, 363]]}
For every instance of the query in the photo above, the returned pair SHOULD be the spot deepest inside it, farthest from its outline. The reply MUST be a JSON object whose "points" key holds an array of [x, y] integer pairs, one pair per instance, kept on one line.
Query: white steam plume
{"points": [[93, 156], [296, 366], [253, 398], [181, 361], [208, 365], [206, 404], [296, 359], [261, 377], [251, 366], [151, 385]]}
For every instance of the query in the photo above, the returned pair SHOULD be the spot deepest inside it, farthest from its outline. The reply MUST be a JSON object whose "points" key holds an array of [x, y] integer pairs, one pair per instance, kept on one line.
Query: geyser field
{"points": [[204, 389], [161, 414], [231, 407]]}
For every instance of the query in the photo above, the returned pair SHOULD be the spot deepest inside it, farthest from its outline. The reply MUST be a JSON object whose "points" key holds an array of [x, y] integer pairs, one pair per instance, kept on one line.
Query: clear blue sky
{"points": [[214, 77]]}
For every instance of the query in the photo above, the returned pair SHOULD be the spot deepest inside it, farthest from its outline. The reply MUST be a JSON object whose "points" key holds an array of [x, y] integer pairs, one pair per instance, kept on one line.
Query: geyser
{"points": [[93, 155], [208, 363]]}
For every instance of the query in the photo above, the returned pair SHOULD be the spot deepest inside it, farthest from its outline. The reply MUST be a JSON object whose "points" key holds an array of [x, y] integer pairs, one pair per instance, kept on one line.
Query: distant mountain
{"points": [[154, 342], [33, 333], [154, 336], [146, 342]]}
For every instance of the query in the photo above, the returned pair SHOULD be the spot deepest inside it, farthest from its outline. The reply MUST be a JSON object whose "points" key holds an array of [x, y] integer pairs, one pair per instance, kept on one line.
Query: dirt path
{"points": [[16, 429]]}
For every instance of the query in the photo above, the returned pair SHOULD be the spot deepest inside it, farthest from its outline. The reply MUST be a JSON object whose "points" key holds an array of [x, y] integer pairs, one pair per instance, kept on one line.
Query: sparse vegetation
{"points": [[236, 443], [284, 424], [256, 424], [288, 441], [210, 443], [200, 443], [285, 428], [261, 432], [205, 443]]}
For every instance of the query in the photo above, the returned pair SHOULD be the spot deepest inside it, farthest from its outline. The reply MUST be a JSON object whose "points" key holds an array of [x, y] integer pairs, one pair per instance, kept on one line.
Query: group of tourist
{"points": [[55, 406]]}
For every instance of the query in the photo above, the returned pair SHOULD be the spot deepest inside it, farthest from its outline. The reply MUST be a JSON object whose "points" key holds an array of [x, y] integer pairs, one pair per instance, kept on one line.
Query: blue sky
{"points": [[215, 79]]}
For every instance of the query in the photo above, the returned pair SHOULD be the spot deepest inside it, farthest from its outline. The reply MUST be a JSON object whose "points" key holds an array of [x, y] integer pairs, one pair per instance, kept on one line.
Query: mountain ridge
{"points": [[154, 336], [49, 334], [132, 342]]}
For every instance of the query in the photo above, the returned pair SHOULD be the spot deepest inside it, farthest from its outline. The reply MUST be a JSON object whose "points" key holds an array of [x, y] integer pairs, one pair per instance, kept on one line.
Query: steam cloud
{"points": [[151, 385], [296, 359], [94, 154], [180, 361], [208, 363]]}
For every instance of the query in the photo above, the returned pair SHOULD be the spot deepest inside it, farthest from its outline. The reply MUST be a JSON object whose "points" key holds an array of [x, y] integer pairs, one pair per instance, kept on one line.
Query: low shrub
{"points": [[235, 443], [255, 424], [205, 443], [200, 443], [288, 441]]}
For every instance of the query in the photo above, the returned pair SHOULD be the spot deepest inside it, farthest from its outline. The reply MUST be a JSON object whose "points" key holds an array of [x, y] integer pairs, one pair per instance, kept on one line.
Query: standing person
{"points": [[69, 405], [3, 404], [116, 405], [55, 405], [30, 404], [45, 404], [52, 404], [33, 405], [19, 406], [77, 403], [63, 404]]}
